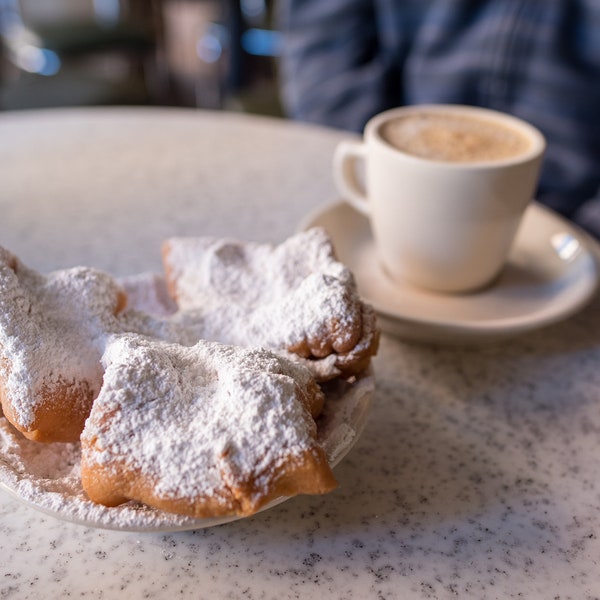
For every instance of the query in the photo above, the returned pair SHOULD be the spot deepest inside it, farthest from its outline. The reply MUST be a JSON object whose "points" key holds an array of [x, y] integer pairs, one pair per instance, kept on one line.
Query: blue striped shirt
{"points": [[345, 60]]}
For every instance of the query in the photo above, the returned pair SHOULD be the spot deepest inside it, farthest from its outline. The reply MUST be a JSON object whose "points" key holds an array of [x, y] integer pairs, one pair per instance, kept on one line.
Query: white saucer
{"points": [[551, 273]]}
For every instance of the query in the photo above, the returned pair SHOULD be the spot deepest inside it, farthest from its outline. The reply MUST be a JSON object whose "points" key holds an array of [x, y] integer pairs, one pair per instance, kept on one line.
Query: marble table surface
{"points": [[478, 472]]}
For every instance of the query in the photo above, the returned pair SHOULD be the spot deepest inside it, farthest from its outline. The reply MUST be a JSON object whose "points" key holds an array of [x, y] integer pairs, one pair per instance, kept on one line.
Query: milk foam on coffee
{"points": [[454, 138]]}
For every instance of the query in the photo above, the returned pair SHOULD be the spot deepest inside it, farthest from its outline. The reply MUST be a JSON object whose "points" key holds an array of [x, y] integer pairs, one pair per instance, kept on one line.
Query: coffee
{"points": [[446, 224], [453, 137]]}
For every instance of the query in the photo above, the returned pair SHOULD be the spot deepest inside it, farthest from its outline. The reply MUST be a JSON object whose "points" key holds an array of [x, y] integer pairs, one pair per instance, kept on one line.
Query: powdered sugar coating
{"points": [[106, 327], [294, 297], [249, 273], [147, 292], [47, 476], [53, 330], [200, 423], [317, 309], [52, 337]]}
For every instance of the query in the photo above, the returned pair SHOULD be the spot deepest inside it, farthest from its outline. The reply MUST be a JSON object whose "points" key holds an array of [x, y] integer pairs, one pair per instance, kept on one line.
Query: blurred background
{"points": [[217, 54]]}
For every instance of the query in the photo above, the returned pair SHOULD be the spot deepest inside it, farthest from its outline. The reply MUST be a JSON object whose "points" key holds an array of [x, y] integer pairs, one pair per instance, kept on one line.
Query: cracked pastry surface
{"points": [[295, 297], [205, 430]]}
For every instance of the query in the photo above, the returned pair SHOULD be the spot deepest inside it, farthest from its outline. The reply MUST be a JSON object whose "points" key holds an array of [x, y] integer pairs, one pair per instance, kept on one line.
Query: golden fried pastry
{"points": [[205, 431], [295, 297], [174, 417], [51, 341]]}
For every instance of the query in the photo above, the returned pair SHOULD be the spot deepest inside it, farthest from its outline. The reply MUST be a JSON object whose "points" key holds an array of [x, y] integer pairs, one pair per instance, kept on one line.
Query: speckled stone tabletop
{"points": [[477, 475]]}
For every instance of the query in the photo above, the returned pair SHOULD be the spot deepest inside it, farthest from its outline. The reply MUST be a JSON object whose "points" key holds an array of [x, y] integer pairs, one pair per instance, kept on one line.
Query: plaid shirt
{"points": [[345, 60]]}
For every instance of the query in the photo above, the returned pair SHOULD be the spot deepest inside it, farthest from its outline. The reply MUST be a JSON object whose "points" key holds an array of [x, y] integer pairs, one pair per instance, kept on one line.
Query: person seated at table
{"points": [[345, 60]]}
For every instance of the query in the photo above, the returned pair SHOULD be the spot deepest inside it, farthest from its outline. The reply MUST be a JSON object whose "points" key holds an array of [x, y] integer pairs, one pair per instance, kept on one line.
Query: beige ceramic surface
{"points": [[552, 271]]}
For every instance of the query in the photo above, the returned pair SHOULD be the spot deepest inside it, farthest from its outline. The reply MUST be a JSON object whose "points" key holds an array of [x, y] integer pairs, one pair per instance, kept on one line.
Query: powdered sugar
{"points": [[47, 476], [76, 309], [147, 292], [42, 319], [295, 295], [251, 273], [176, 412], [290, 295]]}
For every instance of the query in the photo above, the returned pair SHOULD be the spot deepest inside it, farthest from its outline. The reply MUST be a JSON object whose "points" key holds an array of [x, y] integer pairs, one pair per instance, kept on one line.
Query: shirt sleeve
{"points": [[331, 69]]}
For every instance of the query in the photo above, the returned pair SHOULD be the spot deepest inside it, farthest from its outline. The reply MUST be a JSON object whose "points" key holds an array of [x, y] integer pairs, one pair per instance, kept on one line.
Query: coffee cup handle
{"points": [[345, 159]]}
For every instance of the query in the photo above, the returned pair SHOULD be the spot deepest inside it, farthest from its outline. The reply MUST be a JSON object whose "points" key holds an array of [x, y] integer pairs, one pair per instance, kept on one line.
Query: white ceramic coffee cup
{"points": [[445, 226]]}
